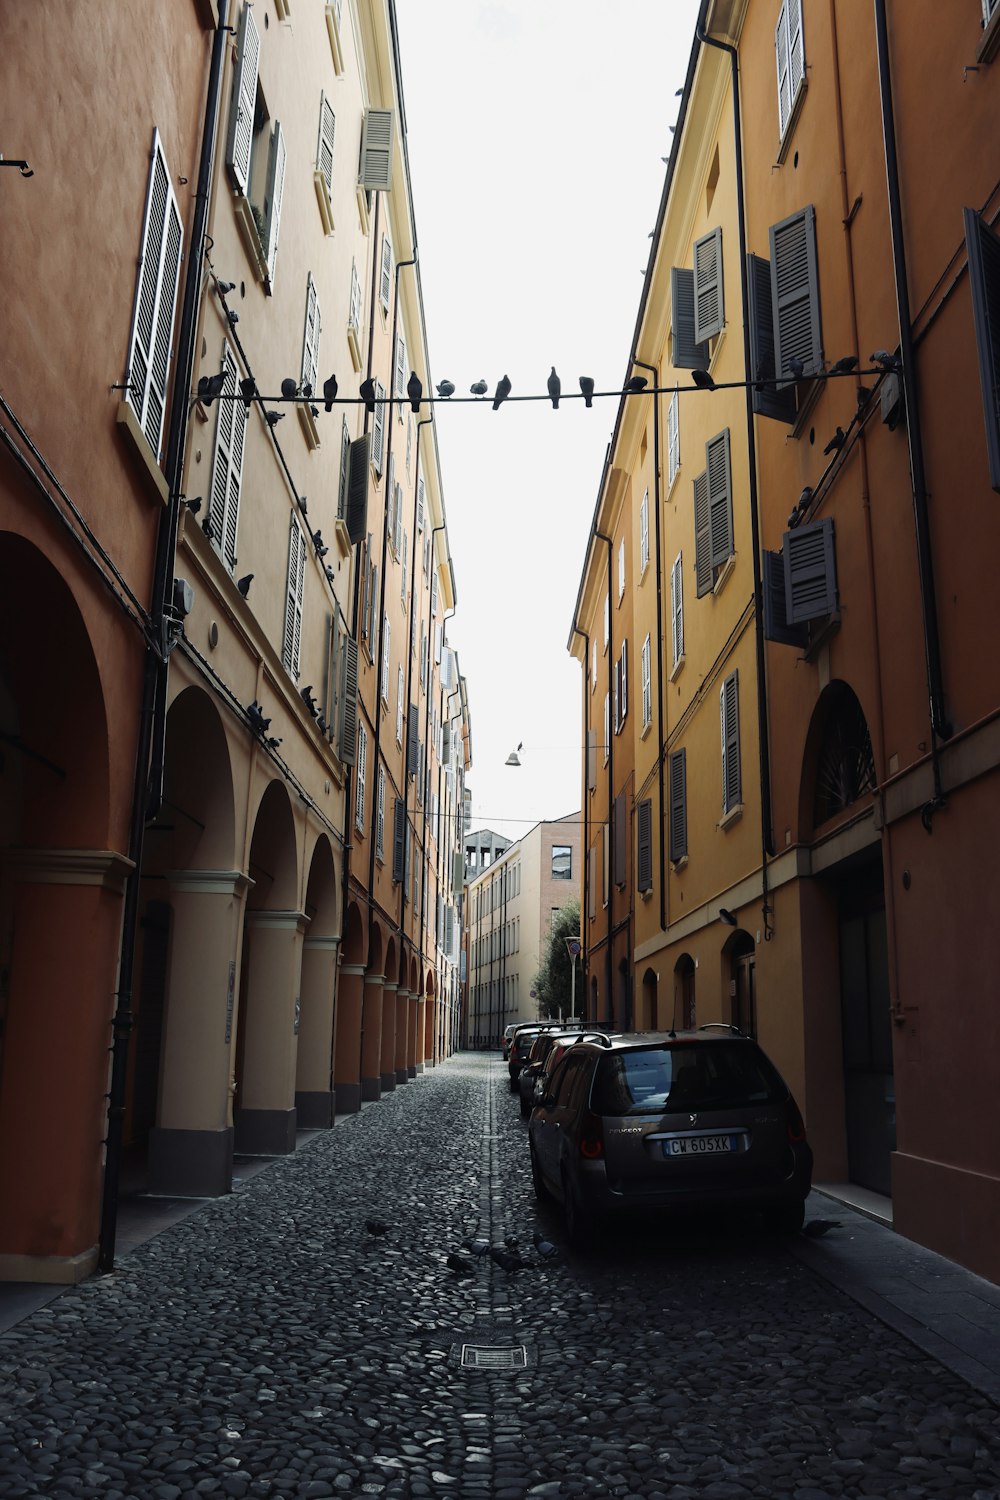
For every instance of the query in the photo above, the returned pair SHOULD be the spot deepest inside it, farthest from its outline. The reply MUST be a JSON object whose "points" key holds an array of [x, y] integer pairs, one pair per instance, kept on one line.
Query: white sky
{"points": [[535, 134]]}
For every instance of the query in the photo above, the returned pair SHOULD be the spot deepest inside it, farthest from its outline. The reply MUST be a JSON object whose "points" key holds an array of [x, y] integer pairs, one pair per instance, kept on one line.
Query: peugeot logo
{"points": [[692, 1119]]}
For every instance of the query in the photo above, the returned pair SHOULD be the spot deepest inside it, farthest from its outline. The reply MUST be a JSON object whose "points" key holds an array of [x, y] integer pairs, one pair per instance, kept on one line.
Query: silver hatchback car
{"points": [[686, 1120]]}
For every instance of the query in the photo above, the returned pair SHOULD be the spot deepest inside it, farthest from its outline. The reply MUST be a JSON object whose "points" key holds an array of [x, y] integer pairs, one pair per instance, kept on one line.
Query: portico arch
{"points": [[315, 1100]]}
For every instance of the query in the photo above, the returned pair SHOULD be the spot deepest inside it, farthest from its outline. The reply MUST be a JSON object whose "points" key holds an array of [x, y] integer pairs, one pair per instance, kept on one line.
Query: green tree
{"points": [[553, 981]]}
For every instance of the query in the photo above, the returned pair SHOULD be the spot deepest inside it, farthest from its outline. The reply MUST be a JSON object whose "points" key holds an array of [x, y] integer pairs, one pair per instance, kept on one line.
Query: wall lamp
{"points": [[727, 917]]}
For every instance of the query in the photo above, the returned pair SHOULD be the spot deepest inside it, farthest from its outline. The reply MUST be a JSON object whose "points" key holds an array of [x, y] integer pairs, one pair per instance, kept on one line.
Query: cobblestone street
{"points": [[270, 1346]]}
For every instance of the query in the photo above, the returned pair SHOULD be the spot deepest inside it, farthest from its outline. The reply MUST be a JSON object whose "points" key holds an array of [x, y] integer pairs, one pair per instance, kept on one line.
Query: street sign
{"points": [[573, 947]]}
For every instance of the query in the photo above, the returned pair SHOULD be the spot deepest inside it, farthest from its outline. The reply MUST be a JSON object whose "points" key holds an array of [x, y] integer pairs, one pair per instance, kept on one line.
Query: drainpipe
{"points": [[146, 790], [608, 967], [767, 849], [659, 641], [941, 729], [586, 810]]}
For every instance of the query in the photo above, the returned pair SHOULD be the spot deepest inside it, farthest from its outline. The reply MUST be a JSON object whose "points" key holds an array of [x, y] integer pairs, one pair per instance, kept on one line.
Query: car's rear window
{"points": [[691, 1076]]}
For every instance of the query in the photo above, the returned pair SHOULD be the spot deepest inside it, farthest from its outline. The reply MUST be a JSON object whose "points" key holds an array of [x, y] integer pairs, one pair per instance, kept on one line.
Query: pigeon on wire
{"points": [[225, 287], [445, 388], [233, 316], [210, 386], [366, 390], [194, 506], [248, 390], [703, 380], [459, 1265], [555, 388], [587, 387], [329, 392], [479, 388], [836, 442], [289, 388], [274, 417], [376, 1228], [884, 360], [818, 1227], [635, 384], [864, 396], [844, 366], [796, 367], [414, 390], [501, 393]]}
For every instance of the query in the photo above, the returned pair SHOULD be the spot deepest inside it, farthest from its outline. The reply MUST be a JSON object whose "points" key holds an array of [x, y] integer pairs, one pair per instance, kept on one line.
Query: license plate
{"points": [[699, 1145]]}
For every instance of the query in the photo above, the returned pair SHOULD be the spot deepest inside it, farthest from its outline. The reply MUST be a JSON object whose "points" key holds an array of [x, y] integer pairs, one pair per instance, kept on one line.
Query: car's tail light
{"points": [[591, 1136], [794, 1123]]}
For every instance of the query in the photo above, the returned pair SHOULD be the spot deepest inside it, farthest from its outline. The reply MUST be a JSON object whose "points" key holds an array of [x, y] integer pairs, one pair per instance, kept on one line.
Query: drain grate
{"points": [[494, 1356]]}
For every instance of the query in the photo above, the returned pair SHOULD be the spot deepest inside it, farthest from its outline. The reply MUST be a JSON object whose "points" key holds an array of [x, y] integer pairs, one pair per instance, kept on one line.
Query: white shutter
{"points": [[399, 707], [155, 301], [310, 341], [359, 793], [621, 568], [647, 695], [624, 680], [386, 636], [227, 464], [673, 439], [291, 644], [398, 374], [397, 520], [380, 813], [420, 505], [272, 199], [781, 60], [354, 315], [677, 607], [402, 572], [244, 101], [324, 148], [644, 534], [438, 639]]}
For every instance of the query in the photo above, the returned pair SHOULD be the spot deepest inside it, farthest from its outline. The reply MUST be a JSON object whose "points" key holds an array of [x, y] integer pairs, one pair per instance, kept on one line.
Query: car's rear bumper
{"points": [[603, 1198]]}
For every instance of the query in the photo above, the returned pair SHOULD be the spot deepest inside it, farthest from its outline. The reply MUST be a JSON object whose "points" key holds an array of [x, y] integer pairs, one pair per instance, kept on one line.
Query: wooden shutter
{"points": [[362, 767], [729, 702], [397, 521], [324, 146], [677, 607], [380, 812], [399, 373], [592, 883], [621, 829], [244, 101], [386, 646], [399, 705], [644, 533], [155, 300], [796, 52], [420, 507], [615, 695], [345, 451], [776, 626], [385, 277], [293, 599], [703, 572], [347, 729], [403, 575], [644, 845], [624, 680], [378, 427], [677, 791], [768, 400], [399, 830], [686, 353], [310, 338], [647, 695], [810, 572], [357, 488], [673, 438], [272, 199], [983, 249], [591, 759], [709, 308], [412, 741], [795, 294], [376, 150], [720, 498], [781, 61], [227, 464], [354, 312]]}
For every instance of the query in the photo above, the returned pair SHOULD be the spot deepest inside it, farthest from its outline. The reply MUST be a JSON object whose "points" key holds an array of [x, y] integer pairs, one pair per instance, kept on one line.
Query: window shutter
{"points": [[615, 696], [420, 505], [592, 883], [293, 599], [795, 294], [781, 60], [644, 532], [776, 626], [607, 726], [244, 101], [621, 568], [644, 845], [673, 438], [324, 147], [155, 301], [686, 353], [399, 827], [709, 308], [446, 741], [399, 706], [796, 51], [703, 572], [434, 593], [768, 400], [378, 427], [399, 373], [272, 198], [810, 572], [624, 680], [357, 488], [730, 716], [385, 277], [372, 604], [677, 776], [380, 812], [227, 465], [412, 741], [720, 498], [403, 578], [677, 607], [647, 696], [345, 450], [354, 312], [362, 767], [310, 339], [347, 731], [620, 838], [591, 759], [376, 150], [984, 280], [397, 525], [386, 646], [438, 639]]}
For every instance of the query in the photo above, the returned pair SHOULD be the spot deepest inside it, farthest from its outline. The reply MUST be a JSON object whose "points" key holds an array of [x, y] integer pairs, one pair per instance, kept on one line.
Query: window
{"points": [[323, 176], [399, 375], [385, 276], [709, 307], [420, 509], [795, 297], [769, 400], [255, 154], [677, 791], [810, 572], [607, 727], [399, 707], [791, 62], [292, 639], [729, 711], [593, 663], [148, 365], [621, 570], [984, 279], [644, 534], [713, 514], [673, 438], [359, 791], [620, 688], [380, 814], [354, 318], [227, 464], [378, 427], [403, 580], [310, 338], [677, 610], [644, 845], [647, 696], [243, 107], [685, 351], [345, 454], [607, 621], [562, 862], [386, 637]]}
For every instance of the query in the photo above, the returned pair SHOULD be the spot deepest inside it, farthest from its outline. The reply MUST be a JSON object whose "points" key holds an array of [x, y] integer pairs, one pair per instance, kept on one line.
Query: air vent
{"points": [[494, 1356]]}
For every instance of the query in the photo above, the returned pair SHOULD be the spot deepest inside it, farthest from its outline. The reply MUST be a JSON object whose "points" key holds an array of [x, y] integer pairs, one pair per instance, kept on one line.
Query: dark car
{"points": [[546, 1050], [660, 1121], [520, 1046]]}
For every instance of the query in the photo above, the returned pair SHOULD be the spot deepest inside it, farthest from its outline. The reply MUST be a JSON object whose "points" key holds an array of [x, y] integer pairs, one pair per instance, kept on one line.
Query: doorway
{"points": [[869, 1090]]}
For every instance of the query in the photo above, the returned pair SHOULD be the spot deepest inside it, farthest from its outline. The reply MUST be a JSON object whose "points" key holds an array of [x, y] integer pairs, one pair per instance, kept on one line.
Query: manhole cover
{"points": [[494, 1356]]}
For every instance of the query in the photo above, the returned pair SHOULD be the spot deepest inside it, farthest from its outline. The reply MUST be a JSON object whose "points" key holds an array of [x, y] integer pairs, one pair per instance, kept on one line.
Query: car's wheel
{"points": [[537, 1180], [784, 1218], [525, 1108], [580, 1226], [513, 1085]]}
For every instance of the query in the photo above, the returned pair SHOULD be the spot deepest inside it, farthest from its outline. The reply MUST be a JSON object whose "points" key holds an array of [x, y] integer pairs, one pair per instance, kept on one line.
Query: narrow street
{"points": [[269, 1345]]}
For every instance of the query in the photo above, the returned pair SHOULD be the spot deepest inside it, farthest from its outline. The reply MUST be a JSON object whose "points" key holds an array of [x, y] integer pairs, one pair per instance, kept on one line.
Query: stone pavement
{"points": [[268, 1345]]}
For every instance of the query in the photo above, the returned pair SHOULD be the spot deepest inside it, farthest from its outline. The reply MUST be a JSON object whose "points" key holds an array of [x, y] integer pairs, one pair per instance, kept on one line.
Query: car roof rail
{"points": [[721, 1026]]}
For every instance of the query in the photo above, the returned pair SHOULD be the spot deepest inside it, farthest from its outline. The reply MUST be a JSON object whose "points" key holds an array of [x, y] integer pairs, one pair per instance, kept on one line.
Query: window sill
{"points": [[323, 199], [671, 483], [726, 572], [646, 895], [677, 865], [343, 536], [127, 419], [643, 571], [354, 344], [308, 424], [646, 728], [732, 816], [363, 209], [251, 239], [282, 9], [333, 31], [677, 667], [786, 140], [989, 42]]}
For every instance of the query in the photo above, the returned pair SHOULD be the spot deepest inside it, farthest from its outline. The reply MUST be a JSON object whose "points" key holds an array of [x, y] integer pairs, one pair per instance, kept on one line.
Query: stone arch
{"points": [[739, 981], [321, 904], [354, 939], [349, 1006], [838, 763], [273, 863], [195, 827], [684, 1014], [315, 1098]]}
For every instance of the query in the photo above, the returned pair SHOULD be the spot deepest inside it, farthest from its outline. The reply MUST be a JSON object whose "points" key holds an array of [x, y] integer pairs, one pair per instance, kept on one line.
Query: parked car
{"points": [[520, 1046], [507, 1035], [546, 1050], [663, 1120]]}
